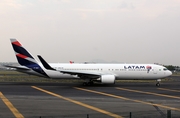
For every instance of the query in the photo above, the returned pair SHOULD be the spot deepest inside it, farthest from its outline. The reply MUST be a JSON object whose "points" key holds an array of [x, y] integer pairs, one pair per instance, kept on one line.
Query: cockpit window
{"points": [[165, 69]]}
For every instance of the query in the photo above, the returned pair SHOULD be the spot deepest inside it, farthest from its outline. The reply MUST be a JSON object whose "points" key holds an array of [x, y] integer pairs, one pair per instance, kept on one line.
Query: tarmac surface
{"points": [[73, 100]]}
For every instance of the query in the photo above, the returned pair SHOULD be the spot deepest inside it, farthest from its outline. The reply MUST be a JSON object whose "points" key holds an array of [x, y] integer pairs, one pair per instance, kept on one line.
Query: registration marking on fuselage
{"points": [[79, 103], [16, 113], [128, 99]]}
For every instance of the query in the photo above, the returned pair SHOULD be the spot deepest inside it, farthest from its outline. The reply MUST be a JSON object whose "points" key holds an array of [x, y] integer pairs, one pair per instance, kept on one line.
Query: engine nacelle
{"points": [[107, 79]]}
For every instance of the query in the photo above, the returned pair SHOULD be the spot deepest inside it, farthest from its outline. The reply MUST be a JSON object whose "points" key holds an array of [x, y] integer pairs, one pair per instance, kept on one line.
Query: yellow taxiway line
{"points": [[16, 113], [124, 98], [169, 90], [79, 103], [157, 94]]}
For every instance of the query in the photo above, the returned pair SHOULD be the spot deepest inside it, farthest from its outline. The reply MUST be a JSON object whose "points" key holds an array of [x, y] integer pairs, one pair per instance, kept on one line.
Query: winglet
{"points": [[71, 62], [45, 64]]}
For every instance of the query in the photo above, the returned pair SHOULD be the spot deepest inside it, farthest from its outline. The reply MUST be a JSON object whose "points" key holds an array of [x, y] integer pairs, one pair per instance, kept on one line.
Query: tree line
{"points": [[172, 68]]}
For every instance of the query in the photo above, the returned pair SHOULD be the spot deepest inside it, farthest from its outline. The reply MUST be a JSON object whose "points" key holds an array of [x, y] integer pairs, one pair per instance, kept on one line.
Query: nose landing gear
{"points": [[158, 82]]}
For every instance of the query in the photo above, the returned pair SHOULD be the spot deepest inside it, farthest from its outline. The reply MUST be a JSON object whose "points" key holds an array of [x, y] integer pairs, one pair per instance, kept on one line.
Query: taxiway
{"points": [[73, 100]]}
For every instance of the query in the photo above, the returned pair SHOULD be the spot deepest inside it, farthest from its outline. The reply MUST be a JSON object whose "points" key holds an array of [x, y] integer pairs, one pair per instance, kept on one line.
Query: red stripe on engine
{"points": [[16, 43], [22, 56]]}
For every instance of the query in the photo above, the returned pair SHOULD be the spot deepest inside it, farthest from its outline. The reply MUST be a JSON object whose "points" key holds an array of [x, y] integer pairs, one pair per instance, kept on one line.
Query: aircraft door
{"points": [[155, 70]]}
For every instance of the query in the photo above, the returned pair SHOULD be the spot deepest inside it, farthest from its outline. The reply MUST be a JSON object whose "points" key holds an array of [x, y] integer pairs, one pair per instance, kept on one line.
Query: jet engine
{"points": [[107, 79]]}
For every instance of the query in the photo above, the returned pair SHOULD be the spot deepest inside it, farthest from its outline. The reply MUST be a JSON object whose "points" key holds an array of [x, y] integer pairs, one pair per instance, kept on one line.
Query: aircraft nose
{"points": [[169, 73]]}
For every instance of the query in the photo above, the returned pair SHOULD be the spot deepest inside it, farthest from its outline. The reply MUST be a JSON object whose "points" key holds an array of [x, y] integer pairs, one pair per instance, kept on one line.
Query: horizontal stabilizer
{"points": [[17, 67]]}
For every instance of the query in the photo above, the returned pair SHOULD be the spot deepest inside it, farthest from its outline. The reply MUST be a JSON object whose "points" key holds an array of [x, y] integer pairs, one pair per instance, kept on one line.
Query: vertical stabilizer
{"points": [[25, 58]]}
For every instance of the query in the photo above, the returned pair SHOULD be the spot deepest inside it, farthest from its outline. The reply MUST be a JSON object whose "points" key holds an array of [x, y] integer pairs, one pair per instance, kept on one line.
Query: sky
{"points": [[124, 31]]}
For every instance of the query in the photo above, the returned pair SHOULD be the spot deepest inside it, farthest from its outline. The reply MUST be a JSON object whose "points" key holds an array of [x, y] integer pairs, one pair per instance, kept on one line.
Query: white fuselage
{"points": [[104, 73], [120, 71]]}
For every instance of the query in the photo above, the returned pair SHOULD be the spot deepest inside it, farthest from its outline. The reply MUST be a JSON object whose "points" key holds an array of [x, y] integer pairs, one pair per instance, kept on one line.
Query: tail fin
{"points": [[23, 56]]}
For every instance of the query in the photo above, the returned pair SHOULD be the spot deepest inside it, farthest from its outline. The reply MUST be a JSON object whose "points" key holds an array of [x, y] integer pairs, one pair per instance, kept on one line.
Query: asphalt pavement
{"points": [[73, 100]]}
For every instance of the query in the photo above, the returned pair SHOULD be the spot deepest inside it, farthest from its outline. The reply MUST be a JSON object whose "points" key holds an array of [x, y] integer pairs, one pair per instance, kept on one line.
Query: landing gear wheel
{"points": [[90, 83], [158, 84], [85, 83]]}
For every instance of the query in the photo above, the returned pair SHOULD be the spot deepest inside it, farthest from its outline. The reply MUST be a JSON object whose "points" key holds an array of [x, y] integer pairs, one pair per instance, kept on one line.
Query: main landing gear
{"points": [[88, 83], [158, 82]]}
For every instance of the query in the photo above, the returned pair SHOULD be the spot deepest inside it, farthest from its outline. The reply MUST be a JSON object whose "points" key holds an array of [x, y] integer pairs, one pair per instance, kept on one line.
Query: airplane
{"points": [[89, 72]]}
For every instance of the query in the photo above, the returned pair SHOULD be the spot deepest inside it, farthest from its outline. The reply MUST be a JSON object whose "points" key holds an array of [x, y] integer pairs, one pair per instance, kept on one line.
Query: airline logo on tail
{"points": [[25, 58]]}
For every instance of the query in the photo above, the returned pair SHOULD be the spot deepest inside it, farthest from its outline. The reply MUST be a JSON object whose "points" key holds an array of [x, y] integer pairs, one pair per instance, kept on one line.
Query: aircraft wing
{"points": [[82, 73], [71, 72], [17, 67]]}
